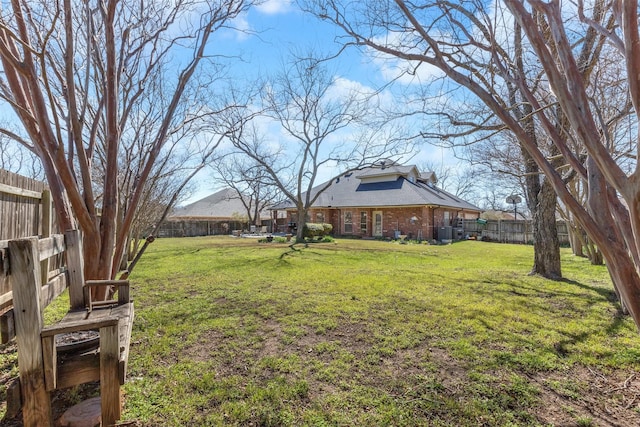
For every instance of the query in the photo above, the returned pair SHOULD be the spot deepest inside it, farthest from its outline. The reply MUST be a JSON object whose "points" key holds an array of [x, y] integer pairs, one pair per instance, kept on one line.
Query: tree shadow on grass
{"points": [[608, 294], [292, 250], [521, 289]]}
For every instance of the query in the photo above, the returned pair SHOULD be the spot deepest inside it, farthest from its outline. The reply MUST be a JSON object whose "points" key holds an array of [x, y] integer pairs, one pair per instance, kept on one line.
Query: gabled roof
{"points": [[349, 190], [222, 205], [429, 177]]}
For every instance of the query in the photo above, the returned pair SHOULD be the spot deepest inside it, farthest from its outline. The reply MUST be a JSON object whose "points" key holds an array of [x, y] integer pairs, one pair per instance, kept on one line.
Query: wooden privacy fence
{"points": [[509, 231], [25, 207], [25, 210]]}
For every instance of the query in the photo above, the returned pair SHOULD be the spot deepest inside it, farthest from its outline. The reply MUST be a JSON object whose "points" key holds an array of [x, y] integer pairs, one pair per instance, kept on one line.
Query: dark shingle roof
{"points": [[349, 191]]}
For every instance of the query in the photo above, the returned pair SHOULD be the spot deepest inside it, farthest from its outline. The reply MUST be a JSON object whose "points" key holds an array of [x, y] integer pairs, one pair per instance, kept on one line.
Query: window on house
{"points": [[348, 222], [363, 222], [319, 217]]}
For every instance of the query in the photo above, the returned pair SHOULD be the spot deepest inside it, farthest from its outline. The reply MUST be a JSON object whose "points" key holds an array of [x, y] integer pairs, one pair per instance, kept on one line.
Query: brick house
{"points": [[388, 201]]}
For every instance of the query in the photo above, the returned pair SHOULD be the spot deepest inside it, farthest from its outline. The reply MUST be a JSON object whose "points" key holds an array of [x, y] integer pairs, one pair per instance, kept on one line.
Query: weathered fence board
{"points": [[25, 210], [509, 231], [21, 207]]}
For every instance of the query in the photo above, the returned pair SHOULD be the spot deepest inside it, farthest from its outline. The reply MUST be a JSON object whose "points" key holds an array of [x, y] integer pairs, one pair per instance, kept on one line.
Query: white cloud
{"points": [[274, 7], [400, 70], [343, 88], [240, 29]]}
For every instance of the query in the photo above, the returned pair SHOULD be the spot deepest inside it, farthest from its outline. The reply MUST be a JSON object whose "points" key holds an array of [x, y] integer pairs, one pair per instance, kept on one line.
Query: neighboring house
{"points": [[388, 201], [220, 213]]}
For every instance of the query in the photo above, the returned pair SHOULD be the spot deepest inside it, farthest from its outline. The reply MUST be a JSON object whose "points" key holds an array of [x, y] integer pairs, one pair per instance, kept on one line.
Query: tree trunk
{"points": [[542, 204], [540, 193], [575, 240], [302, 220], [546, 243]]}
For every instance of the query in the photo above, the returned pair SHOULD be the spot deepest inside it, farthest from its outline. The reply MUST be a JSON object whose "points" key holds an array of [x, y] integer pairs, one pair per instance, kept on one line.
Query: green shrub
{"points": [[312, 229], [328, 228]]}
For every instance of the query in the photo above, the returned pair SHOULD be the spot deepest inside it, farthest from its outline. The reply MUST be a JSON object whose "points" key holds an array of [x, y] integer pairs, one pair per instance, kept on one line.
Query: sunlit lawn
{"points": [[231, 331], [236, 332]]}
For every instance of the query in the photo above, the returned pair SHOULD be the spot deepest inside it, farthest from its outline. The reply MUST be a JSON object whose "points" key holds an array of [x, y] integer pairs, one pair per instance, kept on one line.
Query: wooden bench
{"points": [[42, 364]]}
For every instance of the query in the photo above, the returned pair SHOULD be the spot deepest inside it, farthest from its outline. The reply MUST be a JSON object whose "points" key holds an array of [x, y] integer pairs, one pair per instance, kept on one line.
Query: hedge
{"points": [[312, 229]]}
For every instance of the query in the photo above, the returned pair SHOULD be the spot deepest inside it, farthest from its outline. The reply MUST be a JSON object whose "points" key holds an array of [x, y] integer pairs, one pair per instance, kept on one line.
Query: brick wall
{"points": [[413, 222]]}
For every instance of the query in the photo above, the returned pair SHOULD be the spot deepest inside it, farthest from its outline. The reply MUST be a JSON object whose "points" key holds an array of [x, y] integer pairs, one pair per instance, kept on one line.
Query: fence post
{"points": [[25, 280], [45, 203], [109, 378], [75, 264]]}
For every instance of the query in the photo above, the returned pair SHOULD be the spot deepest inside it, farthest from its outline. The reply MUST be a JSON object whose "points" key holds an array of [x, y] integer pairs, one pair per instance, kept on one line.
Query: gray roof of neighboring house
{"points": [[347, 190], [222, 205]]}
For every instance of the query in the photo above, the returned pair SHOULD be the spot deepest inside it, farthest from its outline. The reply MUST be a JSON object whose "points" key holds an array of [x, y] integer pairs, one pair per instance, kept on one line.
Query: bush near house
{"points": [[312, 230]]}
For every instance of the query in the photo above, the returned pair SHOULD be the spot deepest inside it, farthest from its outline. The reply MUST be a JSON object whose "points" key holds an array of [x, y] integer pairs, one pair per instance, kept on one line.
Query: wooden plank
{"points": [[93, 322], [52, 289], [15, 191], [4, 269], [6, 298], [50, 357], [123, 294], [101, 304], [79, 370], [109, 378], [45, 204], [51, 246], [25, 279], [7, 326], [126, 315], [47, 217], [56, 272], [107, 282], [14, 399], [75, 315], [75, 264]]}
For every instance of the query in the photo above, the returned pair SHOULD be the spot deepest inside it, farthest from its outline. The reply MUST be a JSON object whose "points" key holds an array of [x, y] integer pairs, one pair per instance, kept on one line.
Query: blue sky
{"points": [[279, 27], [266, 34]]}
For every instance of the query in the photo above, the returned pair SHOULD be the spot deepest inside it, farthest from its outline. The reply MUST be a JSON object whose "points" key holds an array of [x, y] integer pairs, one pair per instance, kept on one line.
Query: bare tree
{"points": [[16, 158], [444, 35], [323, 124], [76, 74], [460, 180], [250, 181]]}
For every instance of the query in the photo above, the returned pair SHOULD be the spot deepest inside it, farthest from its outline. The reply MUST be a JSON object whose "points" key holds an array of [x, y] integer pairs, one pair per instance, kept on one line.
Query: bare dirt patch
{"points": [[611, 399]]}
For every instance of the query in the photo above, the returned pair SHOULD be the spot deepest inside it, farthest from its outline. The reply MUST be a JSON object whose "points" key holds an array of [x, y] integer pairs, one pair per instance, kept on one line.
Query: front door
{"points": [[377, 223]]}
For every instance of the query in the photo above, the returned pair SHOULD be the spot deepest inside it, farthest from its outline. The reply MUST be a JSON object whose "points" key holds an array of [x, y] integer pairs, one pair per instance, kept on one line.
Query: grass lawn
{"points": [[366, 333]]}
